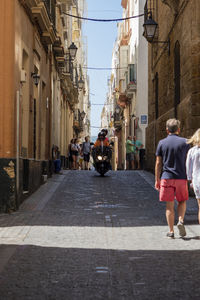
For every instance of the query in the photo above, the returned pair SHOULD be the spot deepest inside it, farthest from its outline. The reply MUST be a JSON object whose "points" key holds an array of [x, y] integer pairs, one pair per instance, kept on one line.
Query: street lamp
{"points": [[117, 110], [150, 27], [36, 78], [82, 114], [72, 50], [80, 84]]}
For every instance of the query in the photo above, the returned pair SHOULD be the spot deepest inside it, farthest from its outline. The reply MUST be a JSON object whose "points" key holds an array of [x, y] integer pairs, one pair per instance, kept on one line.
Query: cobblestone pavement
{"points": [[81, 236]]}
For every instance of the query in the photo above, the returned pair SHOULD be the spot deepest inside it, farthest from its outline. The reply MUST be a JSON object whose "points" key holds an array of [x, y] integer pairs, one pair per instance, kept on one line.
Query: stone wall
{"points": [[184, 27]]}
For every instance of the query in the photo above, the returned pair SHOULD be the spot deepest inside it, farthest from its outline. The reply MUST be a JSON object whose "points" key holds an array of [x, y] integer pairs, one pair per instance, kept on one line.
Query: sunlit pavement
{"points": [[82, 236]]}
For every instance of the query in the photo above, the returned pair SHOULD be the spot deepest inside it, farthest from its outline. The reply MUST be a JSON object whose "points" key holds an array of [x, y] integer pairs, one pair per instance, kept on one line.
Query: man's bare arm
{"points": [[158, 170]]}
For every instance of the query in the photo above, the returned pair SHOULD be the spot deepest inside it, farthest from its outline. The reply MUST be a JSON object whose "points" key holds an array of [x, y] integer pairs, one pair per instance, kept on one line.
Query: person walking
{"points": [[80, 158], [170, 175], [56, 159], [86, 149], [75, 149], [70, 158], [193, 166], [129, 153], [137, 146]]}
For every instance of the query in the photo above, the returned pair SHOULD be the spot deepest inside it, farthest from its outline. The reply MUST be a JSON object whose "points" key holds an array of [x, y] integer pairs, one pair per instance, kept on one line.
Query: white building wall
{"points": [[139, 56], [142, 79]]}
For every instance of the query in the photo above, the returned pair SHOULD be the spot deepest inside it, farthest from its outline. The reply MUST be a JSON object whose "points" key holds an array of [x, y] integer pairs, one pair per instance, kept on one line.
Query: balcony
{"points": [[69, 2], [123, 100], [67, 71], [51, 9], [43, 17], [58, 48], [78, 121], [29, 3], [131, 88], [69, 91], [49, 37], [131, 80]]}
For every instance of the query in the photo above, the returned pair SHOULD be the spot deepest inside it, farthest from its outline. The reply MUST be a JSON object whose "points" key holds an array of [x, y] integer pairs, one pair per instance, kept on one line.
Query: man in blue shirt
{"points": [[170, 175]]}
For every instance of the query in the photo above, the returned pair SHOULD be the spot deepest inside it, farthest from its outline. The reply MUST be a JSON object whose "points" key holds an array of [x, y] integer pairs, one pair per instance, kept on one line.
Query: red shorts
{"points": [[171, 189]]}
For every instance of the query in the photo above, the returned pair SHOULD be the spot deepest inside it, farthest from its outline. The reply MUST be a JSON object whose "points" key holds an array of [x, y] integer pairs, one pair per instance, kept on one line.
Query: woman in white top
{"points": [[193, 165]]}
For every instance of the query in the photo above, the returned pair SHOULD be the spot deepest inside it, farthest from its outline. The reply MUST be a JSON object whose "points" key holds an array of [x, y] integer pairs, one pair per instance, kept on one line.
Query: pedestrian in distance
{"points": [[129, 153], [75, 149], [56, 159], [170, 175], [70, 158], [78, 146], [86, 149], [80, 157], [193, 166], [137, 146]]}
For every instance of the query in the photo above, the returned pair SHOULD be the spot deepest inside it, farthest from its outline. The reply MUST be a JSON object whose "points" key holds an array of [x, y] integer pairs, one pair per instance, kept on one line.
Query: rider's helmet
{"points": [[105, 131]]}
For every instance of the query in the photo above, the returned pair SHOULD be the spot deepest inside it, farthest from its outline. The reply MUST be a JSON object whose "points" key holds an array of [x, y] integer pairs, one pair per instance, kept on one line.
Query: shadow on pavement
{"points": [[70, 274], [191, 238]]}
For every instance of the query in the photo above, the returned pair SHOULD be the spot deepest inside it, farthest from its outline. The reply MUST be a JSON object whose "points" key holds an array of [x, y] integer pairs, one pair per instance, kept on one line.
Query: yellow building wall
{"points": [[30, 55], [7, 97]]}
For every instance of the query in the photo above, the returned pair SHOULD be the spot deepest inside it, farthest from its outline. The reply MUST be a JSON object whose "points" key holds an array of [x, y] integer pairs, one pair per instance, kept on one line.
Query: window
{"points": [[177, 76], [132, 72]]}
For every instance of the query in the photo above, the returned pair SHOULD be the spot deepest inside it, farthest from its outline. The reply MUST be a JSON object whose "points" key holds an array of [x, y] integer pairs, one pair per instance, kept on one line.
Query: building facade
{"points": [[38, 92], [174, 74], [128, 87]]}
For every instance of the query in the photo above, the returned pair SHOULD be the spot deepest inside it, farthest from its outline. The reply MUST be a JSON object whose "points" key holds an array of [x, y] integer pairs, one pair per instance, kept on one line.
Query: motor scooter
{"points": [[102, 157]]}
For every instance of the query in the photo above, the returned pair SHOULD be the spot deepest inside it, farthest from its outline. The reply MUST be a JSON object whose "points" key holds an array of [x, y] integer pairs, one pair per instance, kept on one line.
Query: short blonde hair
{"points": [[195, 139]]}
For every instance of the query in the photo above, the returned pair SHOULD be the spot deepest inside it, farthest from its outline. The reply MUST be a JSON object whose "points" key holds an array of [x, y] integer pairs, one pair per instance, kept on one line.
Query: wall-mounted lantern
{"points": [[72, 50], [82, 115], [36, 78], [117, 110], [150, 27], [80, 84]]}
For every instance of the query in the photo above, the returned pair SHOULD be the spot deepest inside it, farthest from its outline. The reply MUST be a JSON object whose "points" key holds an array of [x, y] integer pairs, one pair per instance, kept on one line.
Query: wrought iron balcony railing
{"points": [[51, 9]]}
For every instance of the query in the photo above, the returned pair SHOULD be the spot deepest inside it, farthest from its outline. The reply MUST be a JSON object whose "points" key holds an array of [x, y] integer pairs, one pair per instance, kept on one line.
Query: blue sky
{"points": [[101, 38]]}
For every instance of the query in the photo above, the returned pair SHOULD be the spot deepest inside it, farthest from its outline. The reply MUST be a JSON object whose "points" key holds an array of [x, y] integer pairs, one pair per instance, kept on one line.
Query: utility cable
{"points": [[103, 20], [99, 68], [99, 127]]}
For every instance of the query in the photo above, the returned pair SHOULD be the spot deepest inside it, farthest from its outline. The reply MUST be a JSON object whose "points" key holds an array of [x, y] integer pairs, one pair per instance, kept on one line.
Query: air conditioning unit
{"points": [[23, 76]]}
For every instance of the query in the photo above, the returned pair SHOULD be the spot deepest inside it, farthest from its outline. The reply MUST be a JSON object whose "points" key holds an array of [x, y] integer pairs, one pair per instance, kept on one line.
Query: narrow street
{"points": [[81, 236]]}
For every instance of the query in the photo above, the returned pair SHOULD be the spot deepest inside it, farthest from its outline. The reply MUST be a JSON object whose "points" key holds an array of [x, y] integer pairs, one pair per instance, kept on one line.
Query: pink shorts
{"points": [[171, 189]]}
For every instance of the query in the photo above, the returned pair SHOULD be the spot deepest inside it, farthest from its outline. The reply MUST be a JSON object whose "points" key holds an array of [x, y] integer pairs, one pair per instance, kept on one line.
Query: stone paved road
{"points": [[86, 237]]}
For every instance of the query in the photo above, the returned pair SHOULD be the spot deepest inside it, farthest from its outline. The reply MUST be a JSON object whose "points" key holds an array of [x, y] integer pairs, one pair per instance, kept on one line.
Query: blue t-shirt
{"points": [[173, 150]]}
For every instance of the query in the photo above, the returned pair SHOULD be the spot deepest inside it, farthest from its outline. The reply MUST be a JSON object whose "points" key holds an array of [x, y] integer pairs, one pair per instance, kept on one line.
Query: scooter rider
{"points": [[105, 132], [101, 138], [102, 154]]}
